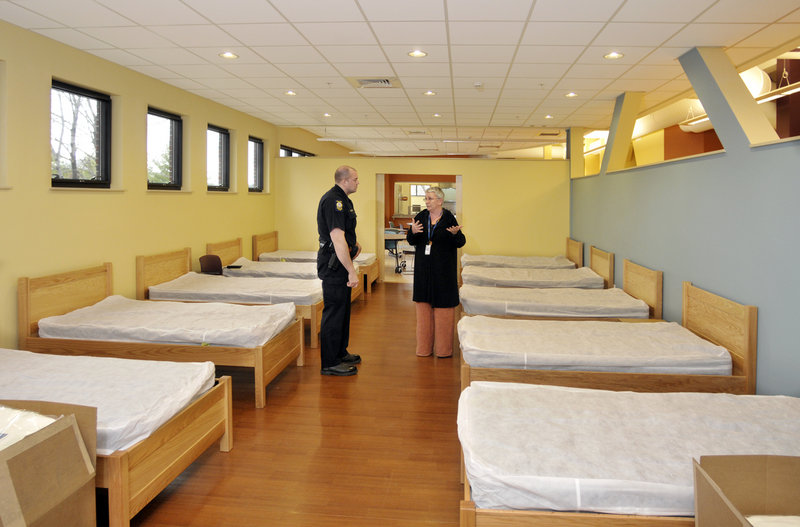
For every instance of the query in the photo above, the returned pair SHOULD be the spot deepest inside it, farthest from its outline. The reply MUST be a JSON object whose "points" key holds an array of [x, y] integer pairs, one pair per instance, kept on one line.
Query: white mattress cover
{"points": [[642, 347], [771, 520], [195, 287], [561, 302], [582, 277], [121, 319], [547, 447], [133, 397], [299, 270], [531, 262], [17, 424], [308, 256]]}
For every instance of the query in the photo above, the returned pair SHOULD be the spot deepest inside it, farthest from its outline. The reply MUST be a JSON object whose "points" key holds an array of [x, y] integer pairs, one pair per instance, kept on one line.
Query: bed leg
{"points": [[116, 474], [301, 358], [226, 441], [467, 514]]}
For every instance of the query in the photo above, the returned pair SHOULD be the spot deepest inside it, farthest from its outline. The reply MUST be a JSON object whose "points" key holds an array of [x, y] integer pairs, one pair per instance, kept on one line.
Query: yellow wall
{"points": [[47, 231], [649, 148], [507, 207]]}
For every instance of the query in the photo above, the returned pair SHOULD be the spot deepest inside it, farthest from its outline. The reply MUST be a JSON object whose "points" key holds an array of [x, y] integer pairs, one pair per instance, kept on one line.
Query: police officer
{"points": [[336, 225]]}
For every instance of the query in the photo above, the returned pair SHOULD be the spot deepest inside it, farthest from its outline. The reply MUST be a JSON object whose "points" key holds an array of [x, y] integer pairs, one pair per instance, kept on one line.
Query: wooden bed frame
{"points": [[575, 252], [231, 250], [159, 268], [268, 242], [61, 293], [602, 263], [711, 317]]}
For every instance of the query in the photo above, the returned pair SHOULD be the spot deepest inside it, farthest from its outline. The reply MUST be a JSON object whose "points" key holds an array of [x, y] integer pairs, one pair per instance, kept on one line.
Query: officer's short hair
{"points": [[342, 173]]}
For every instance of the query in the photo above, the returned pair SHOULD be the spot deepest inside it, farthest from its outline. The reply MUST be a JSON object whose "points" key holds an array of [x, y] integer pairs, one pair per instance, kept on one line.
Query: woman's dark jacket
{"points": [[436, 275]]}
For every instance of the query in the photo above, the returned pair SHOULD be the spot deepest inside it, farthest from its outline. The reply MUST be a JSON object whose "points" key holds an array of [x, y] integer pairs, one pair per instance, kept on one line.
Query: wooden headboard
{"points": [[58, 294], [264, 243], [575, 252], [725, 323], [228, 251], [160, 268], [644, 284], [602, 263]]}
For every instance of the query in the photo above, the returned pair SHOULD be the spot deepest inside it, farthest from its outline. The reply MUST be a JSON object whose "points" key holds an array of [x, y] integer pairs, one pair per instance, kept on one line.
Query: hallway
{"points": [[376, 449]]}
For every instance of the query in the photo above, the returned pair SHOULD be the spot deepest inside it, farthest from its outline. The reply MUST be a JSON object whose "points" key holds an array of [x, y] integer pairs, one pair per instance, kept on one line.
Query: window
{"points": [[80, 137], [288, 151], [218, 142], [419, 190], [164, 150], [255, 164]]}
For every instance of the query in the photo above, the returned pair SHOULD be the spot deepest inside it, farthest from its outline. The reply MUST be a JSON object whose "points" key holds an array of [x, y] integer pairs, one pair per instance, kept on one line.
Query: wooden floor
{"points": [[375, 449]]}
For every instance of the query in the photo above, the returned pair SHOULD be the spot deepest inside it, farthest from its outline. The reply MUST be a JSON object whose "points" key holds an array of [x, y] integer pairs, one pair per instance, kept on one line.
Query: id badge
{"points": [[428, 250]]}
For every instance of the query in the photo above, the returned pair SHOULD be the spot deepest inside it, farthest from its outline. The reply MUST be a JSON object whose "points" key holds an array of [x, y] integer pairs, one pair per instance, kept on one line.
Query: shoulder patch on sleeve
{"points": [[339, 205]]}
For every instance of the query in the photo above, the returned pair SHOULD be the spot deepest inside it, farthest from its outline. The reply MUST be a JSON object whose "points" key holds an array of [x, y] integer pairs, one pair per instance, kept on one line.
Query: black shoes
{"points": [[351, 359], [341, 370]]}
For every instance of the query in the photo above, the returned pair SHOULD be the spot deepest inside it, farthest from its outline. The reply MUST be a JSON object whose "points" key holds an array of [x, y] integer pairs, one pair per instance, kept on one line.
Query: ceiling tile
{"points": [[419, 69], [252, 70], [73, 38], [653, 72], [352, 53], [411, 34], [597, 71], [119, 56], [265, 34], [381, 10], [128, 37], [486, 33], [338, 33], [498, 10], [631, 54], [440, 84], [399, 53], [695, 35], [636, 34], [199, 71], [772, 36], [196, 35], [731, 11], [548, 54], [560, 33], [22, 17], [366, 70], [316, 11], [289, 54], [574, 10], [538, 70], [167, 56], [156, 12], [482, 53], [480, 69], [77, 13], [235, 11], [319, 69], [672, 11]]}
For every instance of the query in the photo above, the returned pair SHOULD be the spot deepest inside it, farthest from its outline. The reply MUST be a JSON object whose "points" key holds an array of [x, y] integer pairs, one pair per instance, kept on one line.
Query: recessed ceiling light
{"points": [[437, 115], [571, 94], [548, 116], [291, 92], [229, 55], [326, 114], [417, 53], [614, 55], [429, 92]]}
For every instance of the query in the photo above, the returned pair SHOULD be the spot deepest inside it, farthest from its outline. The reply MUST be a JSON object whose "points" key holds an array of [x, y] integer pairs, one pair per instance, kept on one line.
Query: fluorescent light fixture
{"points": [[769, 96], [417, 54]]}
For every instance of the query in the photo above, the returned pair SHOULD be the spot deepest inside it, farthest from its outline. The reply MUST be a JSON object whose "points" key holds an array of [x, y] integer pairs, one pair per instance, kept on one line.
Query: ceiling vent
{"points": [[549, 134], [374, 82], [416, 132]]}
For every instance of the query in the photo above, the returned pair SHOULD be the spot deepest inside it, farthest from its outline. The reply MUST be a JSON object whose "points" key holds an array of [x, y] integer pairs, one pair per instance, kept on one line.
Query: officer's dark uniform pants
{"points": [[334, 334]]}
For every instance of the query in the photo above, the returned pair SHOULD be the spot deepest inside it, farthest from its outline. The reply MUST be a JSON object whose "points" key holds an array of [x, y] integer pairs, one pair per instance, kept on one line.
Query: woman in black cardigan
{"points": [[436, 237]]}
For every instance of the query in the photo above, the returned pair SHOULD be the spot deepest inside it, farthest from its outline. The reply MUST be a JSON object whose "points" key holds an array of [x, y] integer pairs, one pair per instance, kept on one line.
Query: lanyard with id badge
{"points": [[430, 235]]}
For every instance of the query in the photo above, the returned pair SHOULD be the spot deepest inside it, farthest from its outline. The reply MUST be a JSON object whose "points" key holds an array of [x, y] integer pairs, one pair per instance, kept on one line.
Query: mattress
{"points": [[117, 318], [653, 347], [530, 262], [560, 302], [18, 424], [582, 277], [249, 268], [567, 449], [194, 287], [308, 256], [133, 397]]}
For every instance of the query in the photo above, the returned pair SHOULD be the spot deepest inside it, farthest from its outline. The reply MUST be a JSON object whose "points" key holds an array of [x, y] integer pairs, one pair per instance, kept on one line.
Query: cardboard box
{"points": [[729, 488], [48, 478]]}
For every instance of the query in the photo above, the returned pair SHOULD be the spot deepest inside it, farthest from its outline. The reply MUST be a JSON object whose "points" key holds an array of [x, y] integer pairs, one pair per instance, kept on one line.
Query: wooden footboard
{"points": [[264, 243], [602, 263], [371, 274], [313, 314], [135, 476], [575, 252]]}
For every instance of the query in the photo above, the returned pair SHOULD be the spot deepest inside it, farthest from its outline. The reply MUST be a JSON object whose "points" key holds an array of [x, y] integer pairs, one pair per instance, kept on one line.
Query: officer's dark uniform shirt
{"points": [[335, 211]]}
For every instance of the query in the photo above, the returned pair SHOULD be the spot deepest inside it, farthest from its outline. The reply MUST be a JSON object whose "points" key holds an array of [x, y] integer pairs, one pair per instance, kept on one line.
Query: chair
{"points": [[210, 264], [391, 246]]}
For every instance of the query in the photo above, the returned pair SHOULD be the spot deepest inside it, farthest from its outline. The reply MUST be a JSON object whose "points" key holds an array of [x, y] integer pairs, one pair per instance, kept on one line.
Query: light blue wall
{"points": [[728, 222]]}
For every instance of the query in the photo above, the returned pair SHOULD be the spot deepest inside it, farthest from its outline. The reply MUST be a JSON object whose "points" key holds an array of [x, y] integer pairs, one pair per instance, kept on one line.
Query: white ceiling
{"points": [[498, 68]]}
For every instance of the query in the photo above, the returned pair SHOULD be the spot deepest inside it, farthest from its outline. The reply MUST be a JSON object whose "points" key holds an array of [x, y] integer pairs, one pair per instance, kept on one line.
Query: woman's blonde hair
{"points": [[436, 190]]}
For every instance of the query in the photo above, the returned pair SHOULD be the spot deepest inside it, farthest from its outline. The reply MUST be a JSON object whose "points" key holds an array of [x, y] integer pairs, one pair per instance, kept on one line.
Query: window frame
{"points": [[292, 151], [225, 159], [176, 147], [104, 115], [258, 164]]}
